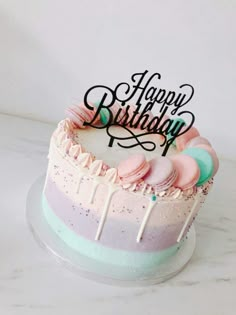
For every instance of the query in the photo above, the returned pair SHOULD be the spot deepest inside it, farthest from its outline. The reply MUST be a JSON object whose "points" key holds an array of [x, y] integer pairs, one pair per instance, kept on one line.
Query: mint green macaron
{"points": [[204, 161], [179, 120], [104, 114]]}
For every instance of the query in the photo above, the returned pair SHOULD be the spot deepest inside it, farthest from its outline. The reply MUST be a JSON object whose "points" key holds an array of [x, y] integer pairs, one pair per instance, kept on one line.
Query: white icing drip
{"points": [[144, 188], [104, 212], [94, 189], [145, 220], [81, 175], [188, 219]]}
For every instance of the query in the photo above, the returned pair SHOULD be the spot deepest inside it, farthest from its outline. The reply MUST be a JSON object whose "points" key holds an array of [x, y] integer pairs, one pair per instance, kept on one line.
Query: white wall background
{"points": [[53, 51]]}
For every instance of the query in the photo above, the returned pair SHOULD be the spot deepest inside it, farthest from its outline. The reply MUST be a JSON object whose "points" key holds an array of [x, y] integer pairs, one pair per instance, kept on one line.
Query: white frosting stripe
{"points": [[188, 219], [145, 220]]}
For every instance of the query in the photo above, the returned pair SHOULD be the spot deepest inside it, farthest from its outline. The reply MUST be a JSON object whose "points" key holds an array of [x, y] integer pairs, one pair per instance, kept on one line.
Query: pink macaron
{"points": [[196, 141], [183, 139], [162, 121], [72, 113], [80, 113], [213, 155], [114, 109], [133, 168], [187, 169], [162, 173]]}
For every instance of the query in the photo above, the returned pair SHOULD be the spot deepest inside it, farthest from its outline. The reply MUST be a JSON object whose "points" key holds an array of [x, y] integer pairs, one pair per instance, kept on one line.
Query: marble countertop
{"points": [[32, 282]]}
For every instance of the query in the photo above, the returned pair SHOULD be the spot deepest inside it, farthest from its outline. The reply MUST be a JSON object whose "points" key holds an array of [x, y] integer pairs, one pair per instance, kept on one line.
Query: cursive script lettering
{"points": [[148, 96]]}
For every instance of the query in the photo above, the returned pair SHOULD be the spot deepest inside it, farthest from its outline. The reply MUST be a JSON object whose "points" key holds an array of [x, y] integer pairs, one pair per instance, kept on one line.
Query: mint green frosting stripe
{"points": [[100, 252]]}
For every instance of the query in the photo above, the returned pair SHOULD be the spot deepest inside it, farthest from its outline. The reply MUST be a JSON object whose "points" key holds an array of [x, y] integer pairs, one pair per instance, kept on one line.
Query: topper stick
{"points": [[110, 144], [187, 220]]}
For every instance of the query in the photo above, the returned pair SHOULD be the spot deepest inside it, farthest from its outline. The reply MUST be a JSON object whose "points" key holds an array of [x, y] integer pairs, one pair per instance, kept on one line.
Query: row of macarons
{"points": [[195, 165]]}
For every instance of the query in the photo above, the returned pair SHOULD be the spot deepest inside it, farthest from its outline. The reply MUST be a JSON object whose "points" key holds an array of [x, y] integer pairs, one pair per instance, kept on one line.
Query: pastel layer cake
{"points": [[106, 204]]}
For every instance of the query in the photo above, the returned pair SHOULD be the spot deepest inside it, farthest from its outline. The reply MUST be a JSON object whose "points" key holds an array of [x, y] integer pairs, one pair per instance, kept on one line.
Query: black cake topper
{"points": [[147, 97]]}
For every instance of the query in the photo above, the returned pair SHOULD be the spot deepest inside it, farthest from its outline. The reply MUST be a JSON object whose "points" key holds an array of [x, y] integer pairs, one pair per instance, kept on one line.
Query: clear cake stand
{"points": [[90, 268]]}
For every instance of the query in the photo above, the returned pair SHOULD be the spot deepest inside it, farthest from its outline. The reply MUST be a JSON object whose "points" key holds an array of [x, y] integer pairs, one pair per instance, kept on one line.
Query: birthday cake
{"points": [[122, 202]]}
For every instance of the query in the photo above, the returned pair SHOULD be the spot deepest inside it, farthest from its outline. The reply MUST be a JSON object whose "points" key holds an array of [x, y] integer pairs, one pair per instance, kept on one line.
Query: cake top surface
{"points": [[96, 142]]}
